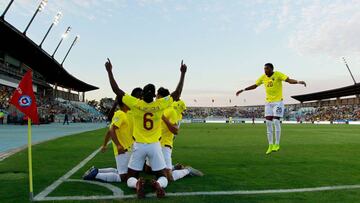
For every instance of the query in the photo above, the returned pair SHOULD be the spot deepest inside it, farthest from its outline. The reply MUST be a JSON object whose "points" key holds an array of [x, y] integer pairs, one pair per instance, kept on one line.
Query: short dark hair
{"points": [[137, 92], [163, 92], [270, 65], [149, 93]]}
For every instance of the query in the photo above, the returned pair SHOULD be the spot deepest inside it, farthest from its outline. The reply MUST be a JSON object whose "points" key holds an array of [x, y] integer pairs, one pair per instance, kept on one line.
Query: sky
{"points": [[224, 44]]}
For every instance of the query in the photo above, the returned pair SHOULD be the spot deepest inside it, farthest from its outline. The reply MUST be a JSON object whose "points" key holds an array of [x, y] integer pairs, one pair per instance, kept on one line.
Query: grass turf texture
{"points": [[231, 156]]}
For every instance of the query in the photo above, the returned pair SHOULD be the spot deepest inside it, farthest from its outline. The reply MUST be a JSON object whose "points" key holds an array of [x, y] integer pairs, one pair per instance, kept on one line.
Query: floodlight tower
{"points": [[7, 8], [73, 43], [62, 38], [55, 22], [39, 9]]}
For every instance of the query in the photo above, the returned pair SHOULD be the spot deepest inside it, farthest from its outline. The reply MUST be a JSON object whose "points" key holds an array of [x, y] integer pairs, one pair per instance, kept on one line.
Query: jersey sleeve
{"points": [[117, 120], [282, 76], [171, 115], [129, 100], [260, 81], [166, 102]]}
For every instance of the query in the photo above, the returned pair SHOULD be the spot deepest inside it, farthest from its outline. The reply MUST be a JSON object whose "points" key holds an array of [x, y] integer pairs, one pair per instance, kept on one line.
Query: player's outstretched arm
{"points": [[113, 83], [106, 140], [252, 87], [112, 110], [177, 93], [292, 81], [172, 127]]}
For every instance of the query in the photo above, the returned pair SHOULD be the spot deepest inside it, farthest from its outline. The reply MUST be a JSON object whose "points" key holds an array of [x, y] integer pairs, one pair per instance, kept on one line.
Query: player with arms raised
{"points": [[274, 107], [147, 115]]}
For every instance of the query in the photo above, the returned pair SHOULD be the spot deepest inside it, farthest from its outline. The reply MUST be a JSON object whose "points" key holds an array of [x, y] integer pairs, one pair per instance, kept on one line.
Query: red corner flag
{"points": [[24, 98]]}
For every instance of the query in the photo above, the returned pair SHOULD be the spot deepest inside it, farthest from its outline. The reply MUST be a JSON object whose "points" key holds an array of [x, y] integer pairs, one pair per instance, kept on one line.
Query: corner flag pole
{"points": [[30, 161], [24, 100]]}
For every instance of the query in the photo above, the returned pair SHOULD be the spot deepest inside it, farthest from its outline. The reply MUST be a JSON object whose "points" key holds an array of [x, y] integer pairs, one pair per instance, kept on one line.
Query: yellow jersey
{"points": [[167, 137], [179, 107], [147, 117], [131, 122], [121, 121], [273, 86]]}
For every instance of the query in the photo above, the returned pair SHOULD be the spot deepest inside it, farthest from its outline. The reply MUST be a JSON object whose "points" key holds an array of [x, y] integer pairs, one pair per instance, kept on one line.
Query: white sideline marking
{"points": [[108, 197], [56, 184], [270, 191], [239, 192]]}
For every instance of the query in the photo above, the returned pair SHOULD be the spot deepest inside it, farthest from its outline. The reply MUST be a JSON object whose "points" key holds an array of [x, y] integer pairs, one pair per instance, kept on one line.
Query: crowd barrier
{"points": [[236, 121]]}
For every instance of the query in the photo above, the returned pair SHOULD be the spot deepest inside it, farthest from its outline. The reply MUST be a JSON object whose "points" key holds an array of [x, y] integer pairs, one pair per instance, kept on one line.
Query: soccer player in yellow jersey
{"points": [[120, 131], [274, 107], [147, 131], [136, 92], [169, 128]]}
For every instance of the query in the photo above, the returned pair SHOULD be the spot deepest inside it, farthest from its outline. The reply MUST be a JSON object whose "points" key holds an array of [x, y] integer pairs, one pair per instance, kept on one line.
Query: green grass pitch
{"points": [[231, 156]]}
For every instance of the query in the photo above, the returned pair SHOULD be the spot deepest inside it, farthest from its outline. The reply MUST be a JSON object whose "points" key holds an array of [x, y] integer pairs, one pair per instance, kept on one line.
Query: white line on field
{"points": [[116, 191], [239, 192], [107, 197], [58, 182]]}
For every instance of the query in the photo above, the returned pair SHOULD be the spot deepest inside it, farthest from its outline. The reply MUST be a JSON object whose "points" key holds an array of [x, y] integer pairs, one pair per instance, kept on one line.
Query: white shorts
{"points": [[139, 153], [167, 156], [122, 161], [275, 109]]}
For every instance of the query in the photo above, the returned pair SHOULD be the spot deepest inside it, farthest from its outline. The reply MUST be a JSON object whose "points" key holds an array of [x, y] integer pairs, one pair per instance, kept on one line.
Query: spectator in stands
{"points": [[66, 118], [2, 116]]}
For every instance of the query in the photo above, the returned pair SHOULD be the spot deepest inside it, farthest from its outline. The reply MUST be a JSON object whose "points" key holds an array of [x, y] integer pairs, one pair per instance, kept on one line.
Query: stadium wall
{"points": [[263, 121]]}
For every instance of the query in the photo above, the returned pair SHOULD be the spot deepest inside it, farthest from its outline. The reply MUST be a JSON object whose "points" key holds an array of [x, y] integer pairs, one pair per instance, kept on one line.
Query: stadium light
{"points": [[75, 40], [7, 8], [62, 38], [347, 66], [39, 9], [55, 22]]}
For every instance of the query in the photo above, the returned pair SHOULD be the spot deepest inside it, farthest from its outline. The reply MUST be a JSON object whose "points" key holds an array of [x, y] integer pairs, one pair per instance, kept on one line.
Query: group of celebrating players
{"points": [[142, 132]]}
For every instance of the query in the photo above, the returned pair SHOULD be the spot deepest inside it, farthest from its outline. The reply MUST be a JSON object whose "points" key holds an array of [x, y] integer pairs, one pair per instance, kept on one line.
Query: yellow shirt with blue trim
{"points": [[167, 137], [273, 86], [147, 117], [121, 121]]}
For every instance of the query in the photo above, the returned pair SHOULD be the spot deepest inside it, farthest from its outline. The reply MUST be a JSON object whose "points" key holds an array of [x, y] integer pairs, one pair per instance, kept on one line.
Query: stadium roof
{"points": [[328, 94], [19, 46]]}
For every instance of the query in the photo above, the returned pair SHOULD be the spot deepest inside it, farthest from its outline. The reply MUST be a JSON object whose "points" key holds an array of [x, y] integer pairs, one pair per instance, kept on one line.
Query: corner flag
{"points": [[24, 100]]}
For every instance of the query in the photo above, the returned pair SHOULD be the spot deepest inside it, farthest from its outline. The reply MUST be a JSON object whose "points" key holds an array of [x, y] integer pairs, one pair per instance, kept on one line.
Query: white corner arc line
{"points": [[116, 191], [56, 184]]}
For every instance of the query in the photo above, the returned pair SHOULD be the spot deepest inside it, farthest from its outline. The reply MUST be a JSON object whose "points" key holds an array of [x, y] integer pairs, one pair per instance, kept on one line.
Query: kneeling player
{"points": [[120, 132], [147, 131], [122, 141], [169, 128]]}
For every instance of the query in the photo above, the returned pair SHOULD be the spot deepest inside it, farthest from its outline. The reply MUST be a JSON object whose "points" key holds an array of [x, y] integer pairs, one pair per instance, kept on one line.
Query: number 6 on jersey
{"points": [[148, 122]]}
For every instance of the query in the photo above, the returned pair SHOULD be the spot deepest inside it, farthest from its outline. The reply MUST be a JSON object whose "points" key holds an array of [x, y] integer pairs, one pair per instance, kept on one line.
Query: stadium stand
{"points": [[293, 112], [340, 105], [57, 92]]}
